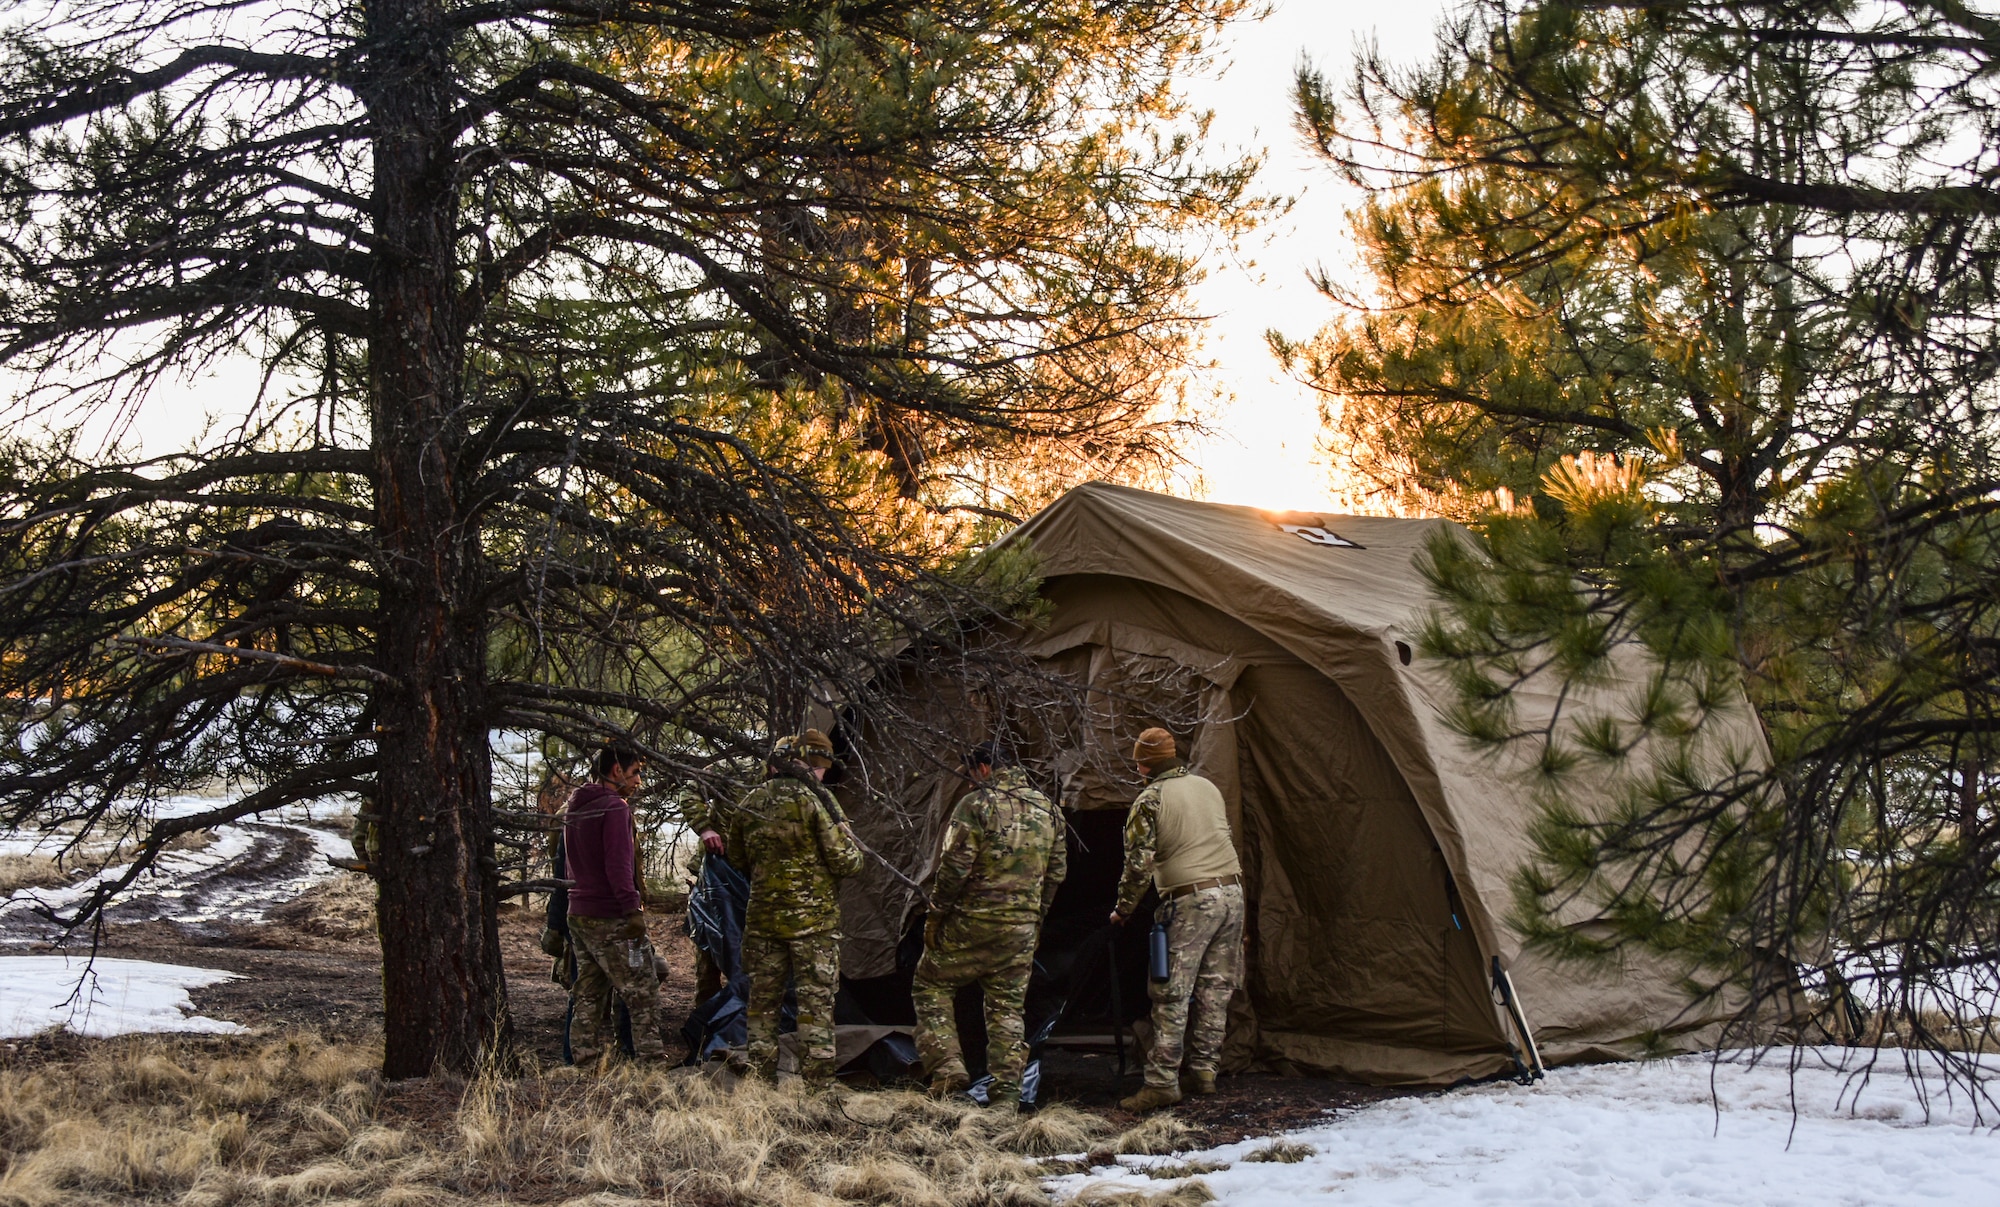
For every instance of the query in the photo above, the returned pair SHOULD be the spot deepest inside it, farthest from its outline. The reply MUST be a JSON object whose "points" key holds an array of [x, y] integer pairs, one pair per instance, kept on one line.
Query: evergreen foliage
{"points": [[658, 357], [1690, 310]]}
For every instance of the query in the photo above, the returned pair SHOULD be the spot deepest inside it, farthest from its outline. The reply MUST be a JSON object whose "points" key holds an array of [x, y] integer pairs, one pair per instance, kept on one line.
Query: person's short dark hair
{"points": [[613, 754], [994, 754]]}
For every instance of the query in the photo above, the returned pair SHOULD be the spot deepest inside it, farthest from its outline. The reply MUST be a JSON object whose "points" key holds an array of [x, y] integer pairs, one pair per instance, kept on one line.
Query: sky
{"points": [[1265, 448]]}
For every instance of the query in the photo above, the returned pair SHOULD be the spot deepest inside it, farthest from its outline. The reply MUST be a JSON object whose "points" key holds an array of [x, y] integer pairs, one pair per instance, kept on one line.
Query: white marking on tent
{"points": [[1320, 536]]}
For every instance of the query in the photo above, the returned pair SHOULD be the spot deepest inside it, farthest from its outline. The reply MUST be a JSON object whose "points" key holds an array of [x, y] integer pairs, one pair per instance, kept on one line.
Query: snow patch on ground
{"points": [[103, 997], [1650, 1133], [253, 865]]}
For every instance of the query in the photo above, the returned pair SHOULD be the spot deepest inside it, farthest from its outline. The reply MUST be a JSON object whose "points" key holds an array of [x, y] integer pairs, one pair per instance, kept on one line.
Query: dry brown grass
{"points": [[19, 872], [1284, 1152], [342, 907], [1170, 1170], [1155, 1135], [38, 871], [1190, 1193], [1931, 1028], [193, 840], [215, 1124]]}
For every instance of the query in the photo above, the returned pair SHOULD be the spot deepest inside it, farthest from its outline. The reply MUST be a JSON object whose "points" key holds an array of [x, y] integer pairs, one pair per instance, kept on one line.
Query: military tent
{"points": [[1378, 848]]}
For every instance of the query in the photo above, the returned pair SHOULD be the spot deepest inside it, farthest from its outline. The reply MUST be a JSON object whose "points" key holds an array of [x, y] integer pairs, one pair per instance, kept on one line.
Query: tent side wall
{"points": [[1361, 962]]}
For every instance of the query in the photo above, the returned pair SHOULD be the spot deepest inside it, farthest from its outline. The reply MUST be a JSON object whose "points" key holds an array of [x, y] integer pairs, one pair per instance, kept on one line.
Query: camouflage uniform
{"points": [[607, 964], [1003, 857], [366, 835], [787, 843], [1204, 946]]}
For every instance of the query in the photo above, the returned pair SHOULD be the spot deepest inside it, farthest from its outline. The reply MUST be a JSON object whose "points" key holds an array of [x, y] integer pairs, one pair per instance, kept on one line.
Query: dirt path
{"points": [[1244, 1105], [236, 878]]}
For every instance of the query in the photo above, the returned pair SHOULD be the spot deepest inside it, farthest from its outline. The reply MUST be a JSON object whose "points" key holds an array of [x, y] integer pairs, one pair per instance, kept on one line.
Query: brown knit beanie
{"points": [[1155, 745], [811, 747], [816, 748]]}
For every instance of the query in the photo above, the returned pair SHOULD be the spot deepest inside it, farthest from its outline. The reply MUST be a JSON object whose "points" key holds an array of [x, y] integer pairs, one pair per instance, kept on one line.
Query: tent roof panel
{"points": [[1099, 528]]}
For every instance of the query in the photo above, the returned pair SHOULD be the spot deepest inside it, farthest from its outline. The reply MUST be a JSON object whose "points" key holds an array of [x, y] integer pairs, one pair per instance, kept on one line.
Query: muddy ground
{"points": [[311, 961]]}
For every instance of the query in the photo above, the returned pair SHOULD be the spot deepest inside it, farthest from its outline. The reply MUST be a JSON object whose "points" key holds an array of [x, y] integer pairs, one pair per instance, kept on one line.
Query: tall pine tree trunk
{"points": [[444, 996]]}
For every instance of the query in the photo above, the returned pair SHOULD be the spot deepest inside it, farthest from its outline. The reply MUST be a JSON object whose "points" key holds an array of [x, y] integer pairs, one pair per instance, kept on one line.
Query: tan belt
{"points": [[1197, 886]]}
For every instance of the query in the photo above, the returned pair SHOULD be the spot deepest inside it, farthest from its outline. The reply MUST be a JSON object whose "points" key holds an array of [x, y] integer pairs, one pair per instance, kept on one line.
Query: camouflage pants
{"points": [[811, 964], [1204, 963], [606, 964], [999, 958]]}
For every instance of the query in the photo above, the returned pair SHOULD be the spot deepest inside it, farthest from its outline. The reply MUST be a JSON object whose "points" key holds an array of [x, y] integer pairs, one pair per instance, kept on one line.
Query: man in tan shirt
{"points": [[1177, 837]]}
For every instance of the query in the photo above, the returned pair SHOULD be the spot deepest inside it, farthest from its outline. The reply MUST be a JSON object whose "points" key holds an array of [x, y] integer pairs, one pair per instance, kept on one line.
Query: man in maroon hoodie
{"points": [[607, 924]]}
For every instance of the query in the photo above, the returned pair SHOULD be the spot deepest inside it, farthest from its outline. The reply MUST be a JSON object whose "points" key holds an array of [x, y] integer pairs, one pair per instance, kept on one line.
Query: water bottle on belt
{"points": [[1158, 966]]}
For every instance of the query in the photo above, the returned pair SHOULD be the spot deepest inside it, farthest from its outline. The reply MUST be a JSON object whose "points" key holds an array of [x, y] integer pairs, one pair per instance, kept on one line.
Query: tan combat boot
{"points": [[1151, 1098], [944, 1085], [1198, 1083]]}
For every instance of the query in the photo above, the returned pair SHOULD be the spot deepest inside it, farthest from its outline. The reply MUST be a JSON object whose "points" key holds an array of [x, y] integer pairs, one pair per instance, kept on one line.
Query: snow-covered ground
{"points": [[250, 867], [102, 997], [1649, 1133]]}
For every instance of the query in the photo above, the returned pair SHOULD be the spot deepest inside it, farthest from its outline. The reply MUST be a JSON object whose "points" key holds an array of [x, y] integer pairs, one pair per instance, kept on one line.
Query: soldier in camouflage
{"points": [[1004, 854], [1177, 837], [785, 838]]}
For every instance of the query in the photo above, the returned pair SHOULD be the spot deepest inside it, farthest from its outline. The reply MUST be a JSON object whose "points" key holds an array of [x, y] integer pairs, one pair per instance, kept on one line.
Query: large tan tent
{"points": [[1378, 849]]}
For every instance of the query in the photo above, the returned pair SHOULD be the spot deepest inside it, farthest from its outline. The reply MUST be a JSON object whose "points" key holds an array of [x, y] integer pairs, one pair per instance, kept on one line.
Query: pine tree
{"points": [[1691, 311], [644, 340]]}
